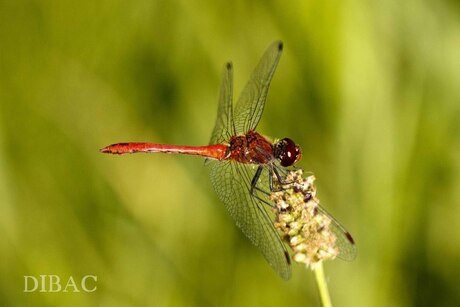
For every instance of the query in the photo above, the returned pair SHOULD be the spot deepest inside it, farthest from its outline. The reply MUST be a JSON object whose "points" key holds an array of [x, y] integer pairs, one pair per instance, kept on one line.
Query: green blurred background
{"points": [[369, 89]]}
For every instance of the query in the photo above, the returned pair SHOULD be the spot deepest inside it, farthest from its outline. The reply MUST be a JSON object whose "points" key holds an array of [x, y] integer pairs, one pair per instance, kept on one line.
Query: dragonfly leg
{"points": [[255, 188], [263, 200], [281, 180], [255, 179], [271, 171], [278, 176]]}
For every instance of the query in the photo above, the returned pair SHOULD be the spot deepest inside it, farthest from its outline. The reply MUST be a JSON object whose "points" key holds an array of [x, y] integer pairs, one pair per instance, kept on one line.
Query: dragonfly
{"points": [[244, 163]]}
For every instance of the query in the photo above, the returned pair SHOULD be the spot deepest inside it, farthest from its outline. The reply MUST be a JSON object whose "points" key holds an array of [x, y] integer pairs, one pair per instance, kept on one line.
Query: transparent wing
{"points": [[223, 129], [232, 182], [250, 105], [345, 242]]}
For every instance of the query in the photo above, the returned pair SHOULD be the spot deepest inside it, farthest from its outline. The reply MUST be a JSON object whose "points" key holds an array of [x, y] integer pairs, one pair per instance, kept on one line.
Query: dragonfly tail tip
{"points": [[104, 150], [280, 45]]}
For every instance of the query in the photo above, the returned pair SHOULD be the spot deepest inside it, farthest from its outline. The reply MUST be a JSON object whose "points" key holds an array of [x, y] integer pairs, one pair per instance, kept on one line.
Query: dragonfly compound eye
{"points": [[288, 152]]}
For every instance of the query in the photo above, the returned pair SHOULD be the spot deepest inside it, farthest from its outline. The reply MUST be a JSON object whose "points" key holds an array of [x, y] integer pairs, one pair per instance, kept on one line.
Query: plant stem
{"points": [[322, 285]]}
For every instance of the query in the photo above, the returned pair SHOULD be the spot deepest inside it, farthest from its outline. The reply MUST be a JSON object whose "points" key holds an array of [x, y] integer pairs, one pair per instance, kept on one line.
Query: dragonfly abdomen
{"points": [[216, 151]]}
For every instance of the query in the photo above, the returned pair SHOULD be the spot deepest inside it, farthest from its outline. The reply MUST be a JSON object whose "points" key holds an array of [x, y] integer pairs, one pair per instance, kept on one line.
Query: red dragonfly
{"points": [[244, 163]]}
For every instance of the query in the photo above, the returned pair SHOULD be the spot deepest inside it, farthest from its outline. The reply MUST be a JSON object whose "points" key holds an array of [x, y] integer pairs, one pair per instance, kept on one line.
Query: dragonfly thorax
{"points": [[250, 148]]}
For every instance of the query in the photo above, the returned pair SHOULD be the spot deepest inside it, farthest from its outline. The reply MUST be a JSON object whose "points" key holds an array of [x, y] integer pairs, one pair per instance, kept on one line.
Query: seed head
{"points": [[304, 227]]}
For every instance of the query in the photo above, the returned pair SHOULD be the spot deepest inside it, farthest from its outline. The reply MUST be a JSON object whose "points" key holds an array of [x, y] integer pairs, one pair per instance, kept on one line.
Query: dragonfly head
{"points": [[287, 152]]}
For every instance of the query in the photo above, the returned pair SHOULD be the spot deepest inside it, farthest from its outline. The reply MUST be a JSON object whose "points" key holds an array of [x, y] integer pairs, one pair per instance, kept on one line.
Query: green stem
{"points": [[322, 286]]}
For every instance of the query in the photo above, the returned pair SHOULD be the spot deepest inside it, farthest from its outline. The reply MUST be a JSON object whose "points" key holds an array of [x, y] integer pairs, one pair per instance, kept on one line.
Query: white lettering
{"points": [[83, 283], [52, 283], [43, 280], [56, 282], [71, 283], [35, 282]]}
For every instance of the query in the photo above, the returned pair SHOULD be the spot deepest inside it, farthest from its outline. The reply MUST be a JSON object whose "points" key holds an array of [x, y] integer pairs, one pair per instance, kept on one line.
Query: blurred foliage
{"points": [[369, 89]]}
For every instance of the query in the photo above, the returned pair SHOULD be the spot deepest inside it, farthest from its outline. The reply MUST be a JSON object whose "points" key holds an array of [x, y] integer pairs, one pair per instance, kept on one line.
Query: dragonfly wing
{"points": [[250, 105], [223, 129], [344, 240], [232, 182]]}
